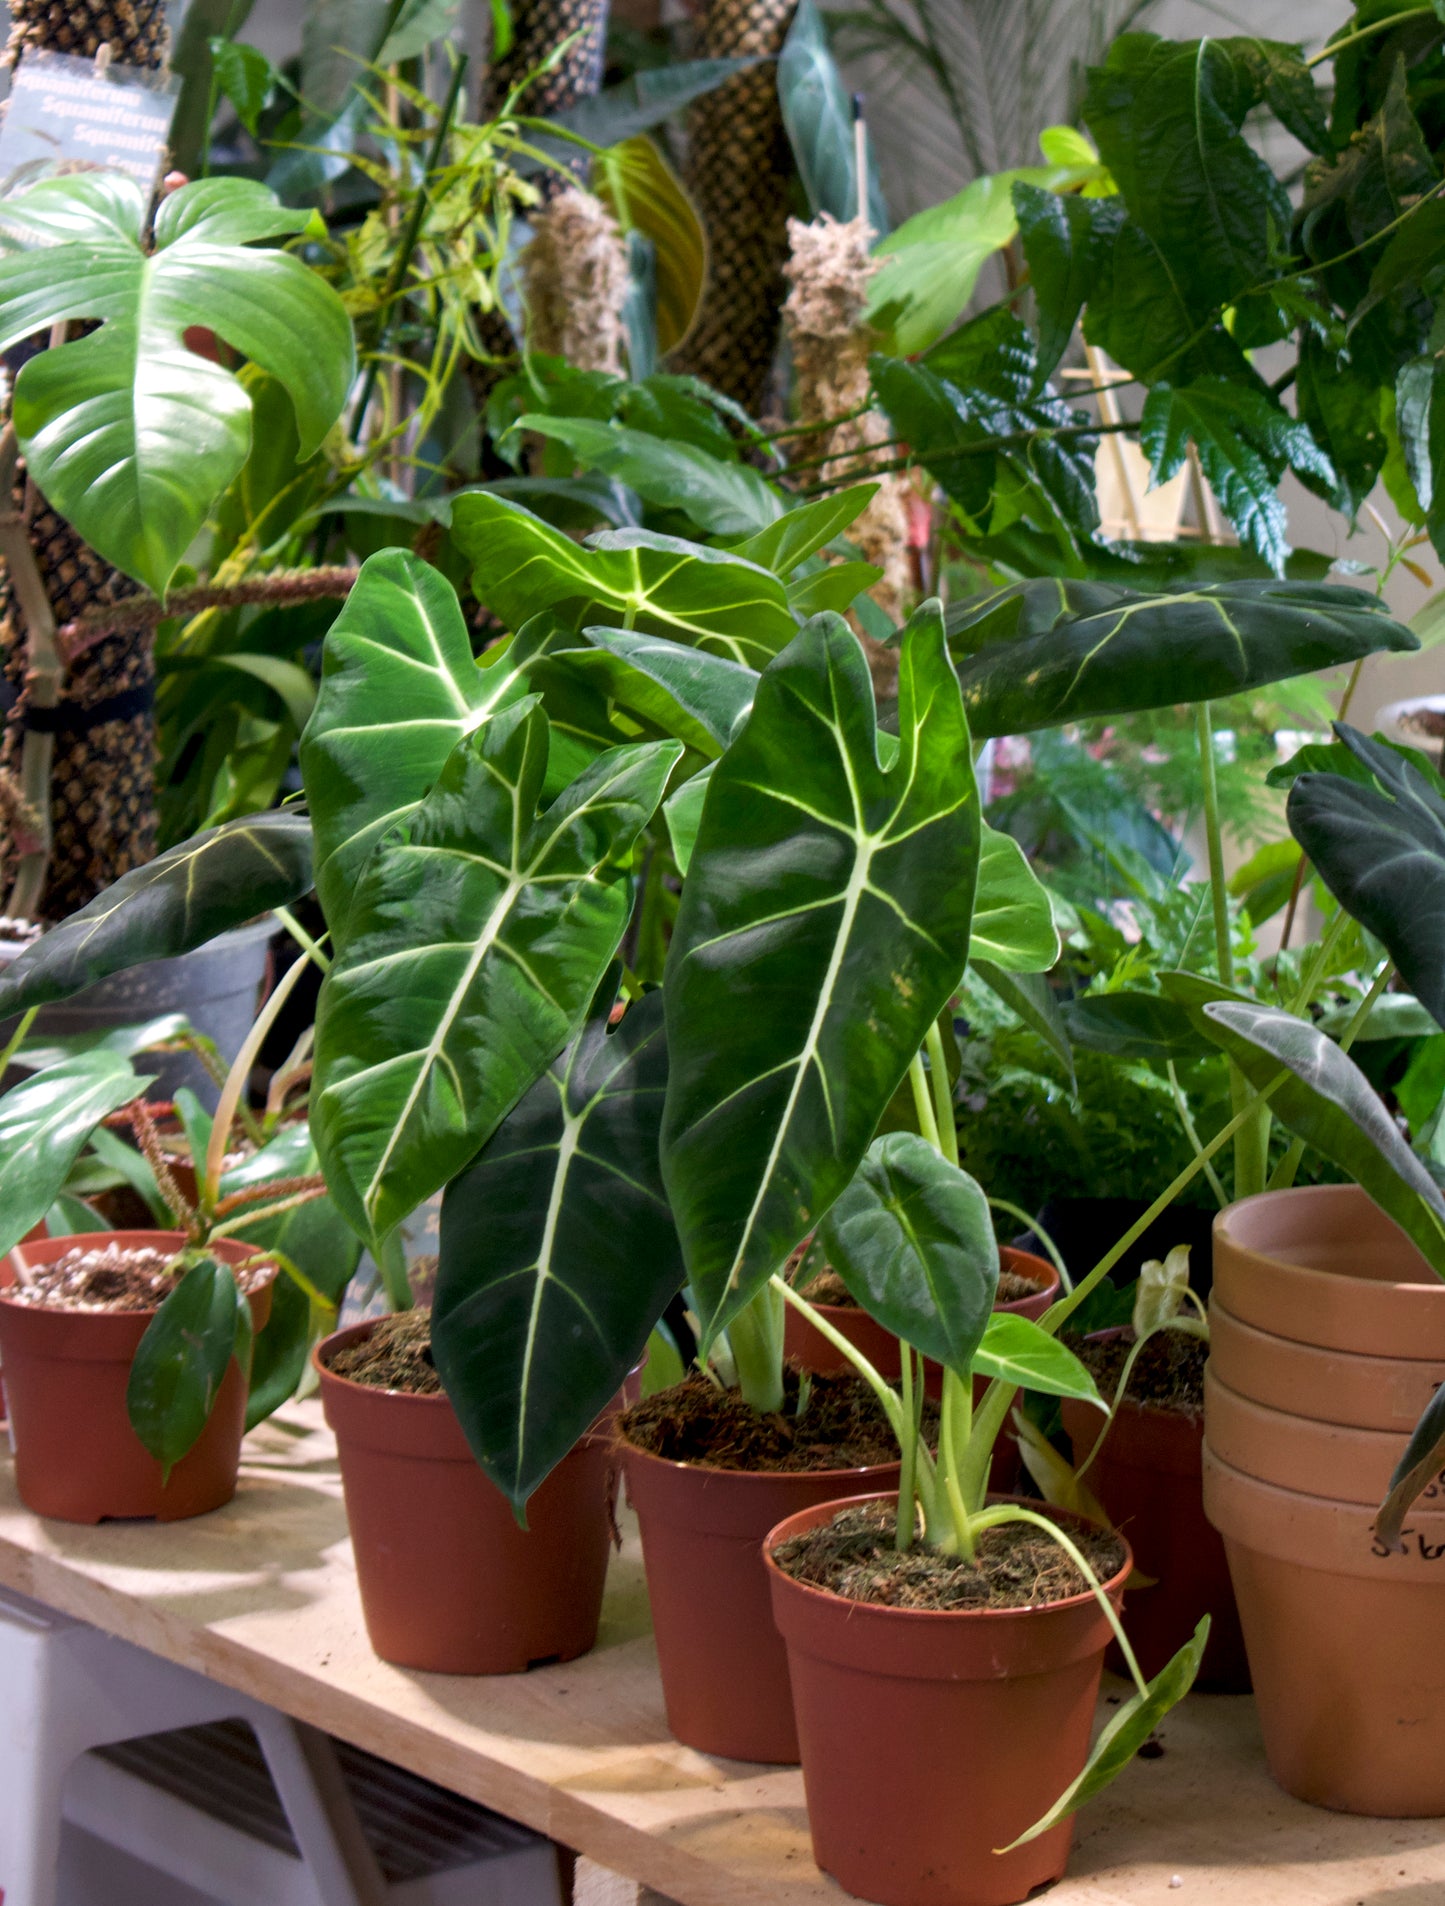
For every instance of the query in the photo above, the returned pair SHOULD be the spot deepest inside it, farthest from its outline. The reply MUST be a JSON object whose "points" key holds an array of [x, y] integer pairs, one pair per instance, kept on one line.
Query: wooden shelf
{"points": [[262, 1597]]}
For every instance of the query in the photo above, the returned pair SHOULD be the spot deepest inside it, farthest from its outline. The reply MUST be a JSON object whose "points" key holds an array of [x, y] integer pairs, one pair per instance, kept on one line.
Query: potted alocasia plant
{"points": [[130, 1356]]}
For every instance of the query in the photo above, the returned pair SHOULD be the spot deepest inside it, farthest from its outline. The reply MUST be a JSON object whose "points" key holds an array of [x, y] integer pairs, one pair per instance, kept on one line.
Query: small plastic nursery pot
{"points": [[450, 1583], [724, 1668], [810, 1349], [77, 1459], [931, 1738], [1344, 1641], [1147, 1478]]}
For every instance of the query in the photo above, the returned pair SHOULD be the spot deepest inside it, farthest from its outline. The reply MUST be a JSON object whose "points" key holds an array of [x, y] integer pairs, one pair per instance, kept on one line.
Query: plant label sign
{"points": [[70, 115]]}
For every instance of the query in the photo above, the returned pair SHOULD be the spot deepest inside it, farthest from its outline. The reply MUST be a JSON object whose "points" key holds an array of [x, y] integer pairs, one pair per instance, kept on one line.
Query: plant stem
{"points": [[17, 1038], [303, 939], [236, 1078], [1219, 893], [1032, 1224], [146, 612], [410, 236], [996, 1518], [949, 1468], [947, 1139], [1181, 1106], [923, 1102], [391, 1262], [755, 1337], [908, 1445], [1365, 33]]}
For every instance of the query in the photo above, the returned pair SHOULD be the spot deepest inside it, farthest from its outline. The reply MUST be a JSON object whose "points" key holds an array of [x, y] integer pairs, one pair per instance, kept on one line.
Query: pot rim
{"points": [[1114, 1584], [633, 1451], [1306, 1273], [223, 1246]]}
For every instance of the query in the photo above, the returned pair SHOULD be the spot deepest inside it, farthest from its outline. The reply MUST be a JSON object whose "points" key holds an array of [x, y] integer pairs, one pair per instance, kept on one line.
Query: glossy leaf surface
{"points": [[182, 1360], [1039, 654], [399, 689], [129, 434], [825, 894], [913, 1240], [477, 936], [1016, 1350], [1327, 1101], [558, 1251], [722, 497], [655, 584], [1013, 920], [172, 904], [688, 693], [1379, 847], [803, 531], [45, 1122]]}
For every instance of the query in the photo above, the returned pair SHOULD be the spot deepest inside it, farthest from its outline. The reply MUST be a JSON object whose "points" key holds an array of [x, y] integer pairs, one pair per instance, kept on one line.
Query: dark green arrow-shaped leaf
{"points": [[656, 584], [913, 1240], [1039, 654], [399, 689], [558, 1251], [1133, 1026], [1326, 1100], [696, 697], [824, 924], [1380, 849], [182, 1360], [219, 879], [476, 939]]}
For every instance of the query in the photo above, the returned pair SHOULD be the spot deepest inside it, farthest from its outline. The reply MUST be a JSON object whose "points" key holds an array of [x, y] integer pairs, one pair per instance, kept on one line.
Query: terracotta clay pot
{"points": [[724, 1668], [1332, 1386], [449, 1582], [1298, 1452], [1323, 1265], [1147, 1480], [77, 1458], [1344, 1641], [929, 1739], [810, 1349]]}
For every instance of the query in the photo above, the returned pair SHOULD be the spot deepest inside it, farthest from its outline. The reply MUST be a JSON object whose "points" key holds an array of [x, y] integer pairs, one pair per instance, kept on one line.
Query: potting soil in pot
{"points": [[842, 1427], [1015, 1566], [396, 1355], [1147, 1478], [828, 1288], [111, 1277]]}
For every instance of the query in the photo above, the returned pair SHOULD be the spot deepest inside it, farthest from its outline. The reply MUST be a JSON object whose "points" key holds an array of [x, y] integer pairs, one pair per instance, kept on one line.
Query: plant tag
{"points": [[70, 115]]}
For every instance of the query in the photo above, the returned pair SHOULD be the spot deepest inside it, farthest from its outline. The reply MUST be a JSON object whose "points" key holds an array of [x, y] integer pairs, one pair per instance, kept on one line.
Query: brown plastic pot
{"points": [[811, 1350], [1335, 1460], [724, 1668], [929, 1739], [1147, 1480], [1323, 1265], [1344, 1640], [1331, 1386], [449, 1583], [77, 1459]]}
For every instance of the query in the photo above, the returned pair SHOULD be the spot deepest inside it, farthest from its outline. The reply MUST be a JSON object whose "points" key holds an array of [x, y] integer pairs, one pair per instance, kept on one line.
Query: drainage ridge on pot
{"points": [[1330, 1386], [929, 1738], [723, 1664], [449, 1581], [77, 1459]]}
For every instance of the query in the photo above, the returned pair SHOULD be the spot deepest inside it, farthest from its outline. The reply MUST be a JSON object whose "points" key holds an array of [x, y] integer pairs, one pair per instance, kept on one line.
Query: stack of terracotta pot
{"points": [[1327, 1342]]}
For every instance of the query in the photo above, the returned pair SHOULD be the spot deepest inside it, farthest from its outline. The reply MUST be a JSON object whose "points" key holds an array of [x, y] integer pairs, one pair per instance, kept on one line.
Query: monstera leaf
{"points": [[657, 584], [1038, 654], [1380, 849], [912, 1238], [558, 1251], [174, 903], [1326, 1100], [399, 690], [131, 435], [824, 924], [476, 939]]}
